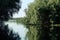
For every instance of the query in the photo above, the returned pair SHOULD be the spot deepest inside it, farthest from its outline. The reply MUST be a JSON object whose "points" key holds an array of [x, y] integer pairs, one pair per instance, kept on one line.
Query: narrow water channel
{"points": [[18, 28]]}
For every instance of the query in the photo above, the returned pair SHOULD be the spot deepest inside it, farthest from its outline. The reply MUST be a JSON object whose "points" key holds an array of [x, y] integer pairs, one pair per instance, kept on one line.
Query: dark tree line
{"points": [[7, 8], [7, 34], [50, 16]]}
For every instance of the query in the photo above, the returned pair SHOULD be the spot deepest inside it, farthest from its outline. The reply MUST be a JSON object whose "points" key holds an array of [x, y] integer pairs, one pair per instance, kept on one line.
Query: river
{"points": [[18, 28]]}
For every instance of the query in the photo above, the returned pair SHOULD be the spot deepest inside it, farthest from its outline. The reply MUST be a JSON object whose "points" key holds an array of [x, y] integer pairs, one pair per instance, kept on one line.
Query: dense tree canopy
{"points": [[8, 7], [45, 13]]}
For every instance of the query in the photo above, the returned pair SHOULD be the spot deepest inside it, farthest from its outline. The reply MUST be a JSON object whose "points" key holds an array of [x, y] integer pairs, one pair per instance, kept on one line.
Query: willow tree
{"points": [[7, 8], [34, 19], [33, 22]]}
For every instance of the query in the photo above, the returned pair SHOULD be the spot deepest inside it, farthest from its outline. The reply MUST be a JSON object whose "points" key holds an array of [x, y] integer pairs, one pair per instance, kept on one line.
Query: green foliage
{"points": [[31, 14], [41, 14], [32, 34], [21, 20]]}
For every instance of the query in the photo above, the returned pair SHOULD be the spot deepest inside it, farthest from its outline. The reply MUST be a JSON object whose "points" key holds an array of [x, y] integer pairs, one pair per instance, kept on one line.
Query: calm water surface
{"points": [[18, 28]]}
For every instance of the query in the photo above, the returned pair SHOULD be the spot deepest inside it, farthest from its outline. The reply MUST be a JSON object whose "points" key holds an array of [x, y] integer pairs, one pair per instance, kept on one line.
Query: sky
{"points": [[21, 12]]}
